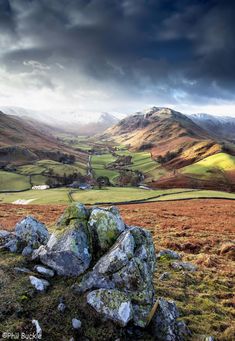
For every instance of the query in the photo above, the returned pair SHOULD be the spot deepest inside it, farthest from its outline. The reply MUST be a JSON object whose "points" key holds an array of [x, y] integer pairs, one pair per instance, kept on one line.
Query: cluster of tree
{"points": [[68, 159], [130, 178], [121, 161], [167, 157], [103, 181], [57, 180]]}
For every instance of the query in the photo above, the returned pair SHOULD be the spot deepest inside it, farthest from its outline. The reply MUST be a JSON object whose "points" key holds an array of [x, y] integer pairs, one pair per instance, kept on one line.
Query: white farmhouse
{"points": [[41, 187]]}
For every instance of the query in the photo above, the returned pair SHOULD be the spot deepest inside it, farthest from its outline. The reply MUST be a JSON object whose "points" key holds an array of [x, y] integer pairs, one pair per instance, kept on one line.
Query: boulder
{"points": [[31, 232], [128, 267], [184, 266], [39, 284], [105, 225], [68, 250], [164, 324], [113, 304]]}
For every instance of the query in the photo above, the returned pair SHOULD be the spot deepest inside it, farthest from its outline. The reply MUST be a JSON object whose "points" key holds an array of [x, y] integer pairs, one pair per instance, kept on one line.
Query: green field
{"points": [[51, 196], [211, 165], [118, 194], [98, 164], [59, 168], [140, 161], [109, 194], [13, 182], [196, 194]]}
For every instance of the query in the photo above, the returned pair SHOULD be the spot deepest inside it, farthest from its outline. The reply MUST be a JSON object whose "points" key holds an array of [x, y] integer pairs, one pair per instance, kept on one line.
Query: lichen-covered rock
{"points": [[76, 212], [105, 225], [164, 324], [184, 266], [128, 266], [113, 304], [68, 250], [31, 232]]}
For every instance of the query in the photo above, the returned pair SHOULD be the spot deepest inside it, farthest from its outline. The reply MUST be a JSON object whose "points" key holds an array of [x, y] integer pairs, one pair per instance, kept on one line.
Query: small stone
{"points": [[76, 323], [61, 307], [165, 276], [209, 338], [39, 284], [169, 254], [184, 266], [38, 329], [22, 270], [44, 271]]}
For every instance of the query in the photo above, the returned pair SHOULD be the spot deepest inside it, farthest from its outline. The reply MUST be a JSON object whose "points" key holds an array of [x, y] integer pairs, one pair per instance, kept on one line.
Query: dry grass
{"points": [[203, 231]]}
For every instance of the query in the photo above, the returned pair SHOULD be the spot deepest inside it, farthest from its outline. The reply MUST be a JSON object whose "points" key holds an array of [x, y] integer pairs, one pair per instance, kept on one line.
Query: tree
{"points": [[102, 181]]}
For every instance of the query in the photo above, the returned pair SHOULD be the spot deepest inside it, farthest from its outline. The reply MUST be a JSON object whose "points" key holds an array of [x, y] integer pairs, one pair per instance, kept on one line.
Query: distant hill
{"points": [[167, 133], [217, 126], [177, 141], [25, 140], [78, 123]]}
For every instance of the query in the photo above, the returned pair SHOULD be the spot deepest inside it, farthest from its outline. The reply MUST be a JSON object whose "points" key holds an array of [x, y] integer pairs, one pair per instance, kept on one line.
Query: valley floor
{"points": [[202, 230]]}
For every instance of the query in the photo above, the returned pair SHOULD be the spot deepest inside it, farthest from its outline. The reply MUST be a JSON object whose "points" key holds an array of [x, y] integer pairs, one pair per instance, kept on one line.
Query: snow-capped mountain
{"points": [[218, 126], [77, 122]]}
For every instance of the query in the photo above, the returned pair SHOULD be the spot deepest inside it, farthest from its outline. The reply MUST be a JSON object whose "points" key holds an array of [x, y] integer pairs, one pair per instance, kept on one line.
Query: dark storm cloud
{"points": [[146, 47]]}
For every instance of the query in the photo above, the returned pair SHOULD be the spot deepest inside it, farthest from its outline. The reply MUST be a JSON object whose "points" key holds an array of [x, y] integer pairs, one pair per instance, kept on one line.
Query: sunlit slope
{"points": [[212, 165]]}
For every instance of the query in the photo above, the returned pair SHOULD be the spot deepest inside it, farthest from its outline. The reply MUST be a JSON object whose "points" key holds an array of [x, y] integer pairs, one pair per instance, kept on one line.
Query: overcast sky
{"points": [[118, 55]]}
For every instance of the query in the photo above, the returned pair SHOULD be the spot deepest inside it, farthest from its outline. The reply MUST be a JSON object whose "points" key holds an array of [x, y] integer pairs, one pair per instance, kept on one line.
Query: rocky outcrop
{"points": [[116, 261], [29, 234], [81, 235], [127, 267]]}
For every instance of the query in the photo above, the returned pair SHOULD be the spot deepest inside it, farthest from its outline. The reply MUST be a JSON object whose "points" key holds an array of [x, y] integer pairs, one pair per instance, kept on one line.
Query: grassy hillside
{"points": [[208, 167], [13, 182]]}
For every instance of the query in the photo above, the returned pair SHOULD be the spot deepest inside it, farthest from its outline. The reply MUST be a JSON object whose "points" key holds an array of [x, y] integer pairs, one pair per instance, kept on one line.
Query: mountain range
{"points": [[217, 126], [74, 122]]}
